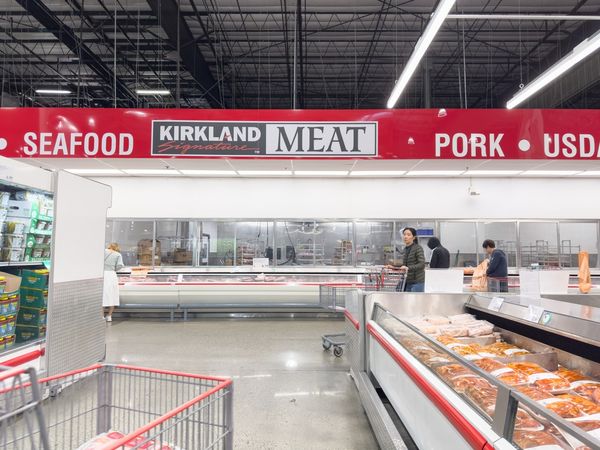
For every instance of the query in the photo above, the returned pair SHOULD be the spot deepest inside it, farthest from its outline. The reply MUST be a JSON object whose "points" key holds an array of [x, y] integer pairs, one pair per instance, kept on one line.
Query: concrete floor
{"points": [[288, 392]]}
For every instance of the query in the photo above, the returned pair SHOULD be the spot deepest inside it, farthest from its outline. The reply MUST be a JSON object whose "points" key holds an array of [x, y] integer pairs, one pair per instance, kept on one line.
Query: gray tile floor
{"points": [[289, 393]]}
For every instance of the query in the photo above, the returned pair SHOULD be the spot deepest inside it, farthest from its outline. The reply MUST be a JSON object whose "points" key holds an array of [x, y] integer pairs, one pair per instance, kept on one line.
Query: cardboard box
{"points": [[13, 283], [34, 298], [34, 279], [23, 208], [181, 256], [31, 316], [25, 333]]}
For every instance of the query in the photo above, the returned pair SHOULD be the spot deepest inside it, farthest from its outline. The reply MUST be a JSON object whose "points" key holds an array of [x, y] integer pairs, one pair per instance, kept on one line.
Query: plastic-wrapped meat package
{"points": [[469, 351], [570, 375], [484, 396], [504, 349], [427, 328], [437, 320], [461, 318], [535, 393], [501, 371], [454, 330], [540, 377], [529, 440], [459, 377], [445, 339], [431, 357], [564, 408], [584, 404], [480, 328], [587, 389]]}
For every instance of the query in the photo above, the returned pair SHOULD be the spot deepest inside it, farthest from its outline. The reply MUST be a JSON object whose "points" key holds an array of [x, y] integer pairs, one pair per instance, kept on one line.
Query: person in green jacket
{"points": [[413, 262]]}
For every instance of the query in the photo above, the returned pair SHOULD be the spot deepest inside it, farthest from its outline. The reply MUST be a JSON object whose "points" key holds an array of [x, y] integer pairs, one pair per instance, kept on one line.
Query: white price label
{"points": [[496, 303], [534, 313]]}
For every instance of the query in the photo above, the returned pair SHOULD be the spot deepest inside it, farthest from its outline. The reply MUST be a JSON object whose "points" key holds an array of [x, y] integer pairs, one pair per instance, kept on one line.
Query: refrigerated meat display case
{"points": [[532, 381], [230, 292]]}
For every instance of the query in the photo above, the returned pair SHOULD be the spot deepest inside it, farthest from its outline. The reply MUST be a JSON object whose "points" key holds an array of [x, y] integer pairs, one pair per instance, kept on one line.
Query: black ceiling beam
{"points": [[66, 35], [192, 58]]}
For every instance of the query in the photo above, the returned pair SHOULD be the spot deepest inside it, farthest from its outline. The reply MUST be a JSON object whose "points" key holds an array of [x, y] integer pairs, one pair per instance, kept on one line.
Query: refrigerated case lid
{"points": [[574, 321]]}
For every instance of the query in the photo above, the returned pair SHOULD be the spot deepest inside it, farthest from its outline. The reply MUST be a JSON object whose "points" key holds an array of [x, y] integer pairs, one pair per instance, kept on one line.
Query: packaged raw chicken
{"points": [[534, 393], [501, 371], [504, 349], [584, 404], [529, 440], [564, 408], [461, 318], [437, 320], [587, 389], [426, 327], [540, 377], [454, 330], [484, 396], [480, 328]]}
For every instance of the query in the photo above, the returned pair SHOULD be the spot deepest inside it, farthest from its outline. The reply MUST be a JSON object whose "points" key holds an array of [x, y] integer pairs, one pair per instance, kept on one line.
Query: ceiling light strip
{"points": [[423, 43], [579, 53]]}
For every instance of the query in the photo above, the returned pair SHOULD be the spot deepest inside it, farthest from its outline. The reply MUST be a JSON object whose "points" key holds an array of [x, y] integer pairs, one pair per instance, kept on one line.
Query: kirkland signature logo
{"points": [[200, 138]]}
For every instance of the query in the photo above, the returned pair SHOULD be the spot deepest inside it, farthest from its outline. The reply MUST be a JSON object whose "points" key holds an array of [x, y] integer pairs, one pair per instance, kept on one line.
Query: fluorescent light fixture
{"points": [[210, 173], [53, 91], [377, 173], [264, 173], [433, 173], [151, 172], [321, 173], [579, 53], [98, 172], [152, 92], [491, 173], [437, 19], [589, 173], [549, 173]]}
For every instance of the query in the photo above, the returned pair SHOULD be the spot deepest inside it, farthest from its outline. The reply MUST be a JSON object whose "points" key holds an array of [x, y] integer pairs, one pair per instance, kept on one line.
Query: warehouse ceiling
{"points": [[272, 53]]}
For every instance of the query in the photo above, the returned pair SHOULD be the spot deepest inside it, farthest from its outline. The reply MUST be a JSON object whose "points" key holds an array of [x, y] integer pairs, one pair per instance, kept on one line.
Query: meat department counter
{"points": [[460, 371], [290, 289]]}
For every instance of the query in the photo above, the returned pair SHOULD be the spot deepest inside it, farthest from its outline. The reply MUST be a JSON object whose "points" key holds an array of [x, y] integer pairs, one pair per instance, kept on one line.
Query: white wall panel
{"points": [[79, 228], [352, 198]]}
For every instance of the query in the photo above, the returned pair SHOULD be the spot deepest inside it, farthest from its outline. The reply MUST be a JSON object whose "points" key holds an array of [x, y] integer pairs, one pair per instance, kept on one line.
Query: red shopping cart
{"points": [[111, 407], [384, 279]]}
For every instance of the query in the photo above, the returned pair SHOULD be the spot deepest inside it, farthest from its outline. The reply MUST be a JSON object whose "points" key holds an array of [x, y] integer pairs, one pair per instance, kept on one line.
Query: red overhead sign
{"points": [[364, 134]]}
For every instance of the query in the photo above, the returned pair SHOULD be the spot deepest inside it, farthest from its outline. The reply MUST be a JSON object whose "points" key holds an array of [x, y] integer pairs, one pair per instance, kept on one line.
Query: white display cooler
{"points": [[406, 369]]}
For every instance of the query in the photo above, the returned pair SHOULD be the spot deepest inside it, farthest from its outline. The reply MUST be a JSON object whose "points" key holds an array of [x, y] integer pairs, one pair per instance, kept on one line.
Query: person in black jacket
{"points": [[440, 257], [497, 270]]}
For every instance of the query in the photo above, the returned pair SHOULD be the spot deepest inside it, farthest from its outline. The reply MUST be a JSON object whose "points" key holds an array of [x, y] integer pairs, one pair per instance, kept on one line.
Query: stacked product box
{"points": [[9, 307], [31, 318], [27, 226]]}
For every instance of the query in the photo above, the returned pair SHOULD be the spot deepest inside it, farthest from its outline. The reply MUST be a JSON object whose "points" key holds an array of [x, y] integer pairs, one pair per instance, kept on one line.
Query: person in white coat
{"points": [[113, 262]]}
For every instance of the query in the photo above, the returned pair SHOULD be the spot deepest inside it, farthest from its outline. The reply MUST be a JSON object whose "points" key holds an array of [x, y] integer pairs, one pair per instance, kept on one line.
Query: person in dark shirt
{"points": [[440, 257], [497, 270]]}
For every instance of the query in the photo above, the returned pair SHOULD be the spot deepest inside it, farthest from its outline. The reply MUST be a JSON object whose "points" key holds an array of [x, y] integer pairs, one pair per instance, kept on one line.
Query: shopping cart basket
{"points": [[333, 297], [115, 407], [383, 279]]}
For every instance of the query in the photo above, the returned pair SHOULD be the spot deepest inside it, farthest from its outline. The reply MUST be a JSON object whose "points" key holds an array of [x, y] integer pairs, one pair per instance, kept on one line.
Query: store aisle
{"points": [[288, 392]]}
